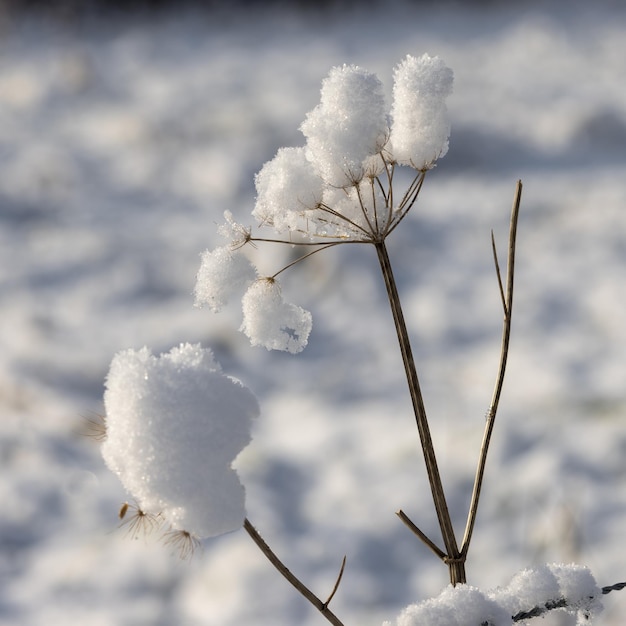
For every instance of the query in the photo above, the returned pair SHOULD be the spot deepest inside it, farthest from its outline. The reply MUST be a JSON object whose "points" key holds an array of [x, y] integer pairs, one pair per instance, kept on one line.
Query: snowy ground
{"points": [[120, 147]]}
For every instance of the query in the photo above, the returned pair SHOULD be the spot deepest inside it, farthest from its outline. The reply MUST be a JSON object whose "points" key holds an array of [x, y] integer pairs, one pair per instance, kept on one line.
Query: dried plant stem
{"points": [[406, 520], [322, 607], [453, 558], [333, 591], [507, 305]]}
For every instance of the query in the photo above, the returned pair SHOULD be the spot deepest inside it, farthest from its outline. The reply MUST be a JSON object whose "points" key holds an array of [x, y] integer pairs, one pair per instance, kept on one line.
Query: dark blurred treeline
{"points": [[82, 8], [75, 14]]}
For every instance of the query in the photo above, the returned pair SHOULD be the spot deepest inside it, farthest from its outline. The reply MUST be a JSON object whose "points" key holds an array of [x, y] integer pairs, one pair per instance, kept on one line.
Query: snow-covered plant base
{"points": [[531, 593], [175, 423]]}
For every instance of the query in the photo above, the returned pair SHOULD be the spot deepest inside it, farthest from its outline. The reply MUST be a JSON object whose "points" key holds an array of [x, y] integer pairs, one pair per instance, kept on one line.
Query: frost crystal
{"points": [[271, 322], [175, 424], [420, 127]]}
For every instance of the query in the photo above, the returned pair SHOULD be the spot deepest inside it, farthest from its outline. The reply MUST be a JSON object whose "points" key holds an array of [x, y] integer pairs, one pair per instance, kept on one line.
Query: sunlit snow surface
{"points": [[121, 145]]}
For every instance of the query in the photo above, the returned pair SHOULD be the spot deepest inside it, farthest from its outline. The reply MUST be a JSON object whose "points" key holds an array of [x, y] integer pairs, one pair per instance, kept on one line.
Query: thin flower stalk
{"points": [[453, 558]]}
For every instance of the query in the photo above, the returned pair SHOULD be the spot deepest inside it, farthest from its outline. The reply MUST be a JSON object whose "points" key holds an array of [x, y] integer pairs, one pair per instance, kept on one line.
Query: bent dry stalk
{"points": [[322, 607]]}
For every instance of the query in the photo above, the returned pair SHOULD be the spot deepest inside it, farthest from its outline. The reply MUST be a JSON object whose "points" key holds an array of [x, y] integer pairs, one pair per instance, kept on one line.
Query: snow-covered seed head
{"points": [[347, 127], [271, 322], [420, 126], [337, 188]]}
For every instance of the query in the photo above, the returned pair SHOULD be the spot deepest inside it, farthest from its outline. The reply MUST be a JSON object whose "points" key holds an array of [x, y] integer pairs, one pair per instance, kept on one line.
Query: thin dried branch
{"points": [[373, 228], [331, 595], [416, 531], [306, 256], [498, 274], [507, 302], [322, 607], [407, 202]]}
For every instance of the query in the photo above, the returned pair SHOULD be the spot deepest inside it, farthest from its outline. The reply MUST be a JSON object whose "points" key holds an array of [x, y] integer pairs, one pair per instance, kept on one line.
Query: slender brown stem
{"points": [[407, 202], [306, 256], [322, 607], [455, 563], [342, 569], [408, 522], [498, 274], [507, 305]]}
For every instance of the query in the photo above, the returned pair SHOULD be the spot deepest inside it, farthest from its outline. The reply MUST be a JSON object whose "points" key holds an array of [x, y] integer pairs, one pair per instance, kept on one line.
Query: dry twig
{"points": [[322, 607]]}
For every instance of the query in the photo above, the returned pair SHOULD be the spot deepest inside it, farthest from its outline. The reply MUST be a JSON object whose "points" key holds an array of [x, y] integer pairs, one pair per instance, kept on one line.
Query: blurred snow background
{"points": [[123, 138]]}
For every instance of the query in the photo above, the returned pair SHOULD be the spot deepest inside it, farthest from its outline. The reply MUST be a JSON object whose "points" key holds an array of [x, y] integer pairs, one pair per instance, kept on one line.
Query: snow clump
{"points": [[222, 272], [287, 188], [420, 130], [347, 127], [270, 322], [455, 606], [174, 425]]}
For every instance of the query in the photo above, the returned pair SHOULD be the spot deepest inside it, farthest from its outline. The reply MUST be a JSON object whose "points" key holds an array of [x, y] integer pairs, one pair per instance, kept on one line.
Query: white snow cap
{"points": [[420, 128], [347, 127], [174, 425], [271, 322]]}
